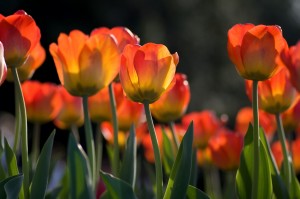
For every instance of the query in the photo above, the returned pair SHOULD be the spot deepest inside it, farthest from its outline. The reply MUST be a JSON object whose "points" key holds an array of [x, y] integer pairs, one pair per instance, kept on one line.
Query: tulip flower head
{"points": [[255, 50], [147, 71], [3, 67], [19, 35]]}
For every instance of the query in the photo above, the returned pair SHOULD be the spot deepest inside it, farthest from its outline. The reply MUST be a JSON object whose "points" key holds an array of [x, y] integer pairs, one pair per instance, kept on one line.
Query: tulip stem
{"points": [[174, 135], [255, 140], [158, 165], [115, 163], [286, 156], [99, 149], [23, 123], [35, 150], [17, 122], [89, 139]]}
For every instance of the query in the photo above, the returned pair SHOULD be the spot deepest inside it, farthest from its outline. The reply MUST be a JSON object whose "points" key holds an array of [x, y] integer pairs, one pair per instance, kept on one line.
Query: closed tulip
{"points": [[3, 67]]}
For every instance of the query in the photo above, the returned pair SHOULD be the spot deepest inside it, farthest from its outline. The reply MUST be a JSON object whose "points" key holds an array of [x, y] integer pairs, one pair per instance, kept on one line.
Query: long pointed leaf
{"points": [[194, 193], [11, 160], [128, 169], [11, 187], [181, 170], [168, 152], [41, 175]]}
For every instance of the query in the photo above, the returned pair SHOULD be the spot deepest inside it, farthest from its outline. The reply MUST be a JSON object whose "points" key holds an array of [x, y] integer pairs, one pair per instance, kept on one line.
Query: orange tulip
{"points": [[291, 58], [122, 34], [85, 64], [173, 103], [204, 156], [296, 155], [205, 123], [42, 101], [147, 71], [19, 35], [33, 62], [276, 94], [291, 117], [108, 134], [254, 50], [245, 116], [71, 112], [99, 104], [226, 147], [3, 67]]}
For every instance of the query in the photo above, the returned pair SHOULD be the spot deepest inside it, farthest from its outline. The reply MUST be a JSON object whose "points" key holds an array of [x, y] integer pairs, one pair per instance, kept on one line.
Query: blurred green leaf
{"points": [[181, 170], [244, 173], [79, 171], [279, 187], [11, 160], [168, 153], [294, 190], [65, 186], [40, 178], [11, 187], [128, 168], [116, 188], [195, 193], [53, 194], [194, 170]]}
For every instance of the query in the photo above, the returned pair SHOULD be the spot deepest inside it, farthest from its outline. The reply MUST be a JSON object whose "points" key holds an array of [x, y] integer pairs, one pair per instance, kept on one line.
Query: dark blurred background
{"points": [[196, 29]]}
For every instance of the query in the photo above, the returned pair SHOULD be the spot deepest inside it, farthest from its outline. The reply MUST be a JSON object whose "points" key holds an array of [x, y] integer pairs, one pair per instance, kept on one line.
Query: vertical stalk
{"points": [[35, 144], [24, 138], [158, 165], [74, 131], [255, 140], [99, 149], [17, 122], [89, 139], [286, 156], [115, 163], [174, 135]]}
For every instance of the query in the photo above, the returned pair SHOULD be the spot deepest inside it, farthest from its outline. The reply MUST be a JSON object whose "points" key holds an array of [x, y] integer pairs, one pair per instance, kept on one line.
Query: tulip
{"points": [[291, 117], [254, 50], [107, 132], [3, 67]]}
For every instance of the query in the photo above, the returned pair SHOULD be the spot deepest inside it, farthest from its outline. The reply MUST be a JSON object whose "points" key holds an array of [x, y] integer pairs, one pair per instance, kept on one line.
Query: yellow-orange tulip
{"points": [[3, 67], [255, 50], [19, 35], [147, 71], [173, 103], [85, 64]]}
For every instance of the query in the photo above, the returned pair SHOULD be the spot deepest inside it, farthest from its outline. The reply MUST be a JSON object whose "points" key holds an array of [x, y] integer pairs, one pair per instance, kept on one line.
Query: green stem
{"points": [[174, 135], [24, 138], [212, 181], [115, 163], [158, 165], [255, 140], [89, 139], [74, 131], [18, 123], [286, 156], [35, 144], [99, 149]]}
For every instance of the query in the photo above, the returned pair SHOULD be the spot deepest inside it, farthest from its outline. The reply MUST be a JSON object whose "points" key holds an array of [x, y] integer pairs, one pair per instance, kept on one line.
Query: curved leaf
{"points": [[168, 152], [11, 186], [194, 193], [11, 160]]}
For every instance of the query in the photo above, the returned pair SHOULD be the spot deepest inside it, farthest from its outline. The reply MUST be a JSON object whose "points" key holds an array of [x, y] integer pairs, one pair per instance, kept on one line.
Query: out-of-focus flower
{"points": [[42, 101], [85, 64], [255, 49], [108, 134], [205, 123], [291, 58], [296, 155], [204, 156], [147, 71], [71, 112], [3, 67], [276, 94], [19, 35], [173, 103], [226, 147], [99, 104], [33, 62], [291, 117], [123, 35], [245, 116]]}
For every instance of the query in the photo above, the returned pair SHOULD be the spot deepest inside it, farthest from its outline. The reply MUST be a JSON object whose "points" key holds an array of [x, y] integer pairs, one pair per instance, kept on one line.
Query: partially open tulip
{"points": [[276, 94], [291, 58], [33, 62], [19, 35], [85, 64], [291, 117], [71, 112], [205, 123], [3, 67], [42, 101], [226, 147], [173, 103], [147, 71], [254, 50]]}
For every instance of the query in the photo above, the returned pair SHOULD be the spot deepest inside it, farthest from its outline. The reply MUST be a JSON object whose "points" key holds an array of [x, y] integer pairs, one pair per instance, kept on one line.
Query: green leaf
{"points": [[53, 194], [78, 171], [194, 174], [11, 160], [295, 186], [168, 153], [244, 175], [195, 193], [181, 170], [40, 178], [11, 186], [116, 188], [128, 168], [279, 187]]}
